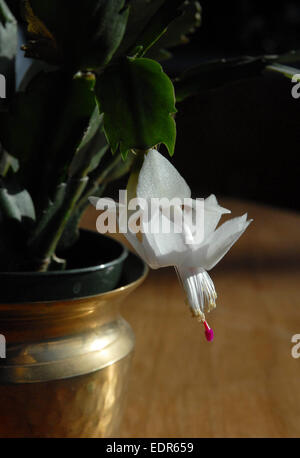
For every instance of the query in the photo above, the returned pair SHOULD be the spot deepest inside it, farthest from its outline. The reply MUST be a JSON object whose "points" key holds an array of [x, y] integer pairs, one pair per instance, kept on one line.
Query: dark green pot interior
{"points": [[96, 264]]}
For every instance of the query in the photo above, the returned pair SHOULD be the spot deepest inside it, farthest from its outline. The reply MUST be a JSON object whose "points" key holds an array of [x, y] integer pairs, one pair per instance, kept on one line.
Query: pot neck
{"points": [[37, 321]]}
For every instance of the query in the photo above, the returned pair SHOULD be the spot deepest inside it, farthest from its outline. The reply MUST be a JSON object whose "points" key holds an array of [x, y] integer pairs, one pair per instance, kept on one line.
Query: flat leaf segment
{"points": [[138, 101]]}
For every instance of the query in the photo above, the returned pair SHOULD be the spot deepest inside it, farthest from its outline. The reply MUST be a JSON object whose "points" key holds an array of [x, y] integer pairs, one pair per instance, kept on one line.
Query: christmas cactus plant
{"points": [[92, 97], [92, 101]]}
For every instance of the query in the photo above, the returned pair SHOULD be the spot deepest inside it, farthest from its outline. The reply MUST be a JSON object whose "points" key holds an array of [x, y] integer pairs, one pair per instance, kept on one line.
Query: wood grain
{"points": [[243, 384]]}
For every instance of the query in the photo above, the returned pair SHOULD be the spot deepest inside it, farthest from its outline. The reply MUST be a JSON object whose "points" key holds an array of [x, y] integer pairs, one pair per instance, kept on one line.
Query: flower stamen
{"points": [[209, 333], [199, 289]]}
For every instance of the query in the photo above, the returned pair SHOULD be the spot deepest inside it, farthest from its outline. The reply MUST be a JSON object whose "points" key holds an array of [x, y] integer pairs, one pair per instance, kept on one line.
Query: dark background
{"points": [[242, 140]]}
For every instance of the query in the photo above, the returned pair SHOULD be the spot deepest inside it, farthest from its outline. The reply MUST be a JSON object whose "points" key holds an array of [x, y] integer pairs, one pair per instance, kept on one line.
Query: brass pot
{"points": [[67, 362]]}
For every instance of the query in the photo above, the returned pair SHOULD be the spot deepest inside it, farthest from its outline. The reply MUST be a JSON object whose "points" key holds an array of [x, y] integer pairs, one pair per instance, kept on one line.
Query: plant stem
{"points": [[96, 180], [44, 246]]}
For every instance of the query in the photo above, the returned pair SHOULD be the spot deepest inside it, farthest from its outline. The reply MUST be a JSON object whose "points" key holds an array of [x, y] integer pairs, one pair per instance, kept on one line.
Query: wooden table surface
{"points": [[243, 384]]}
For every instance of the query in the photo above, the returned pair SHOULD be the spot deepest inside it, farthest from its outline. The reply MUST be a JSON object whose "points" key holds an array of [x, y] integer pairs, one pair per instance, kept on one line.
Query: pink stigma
{"points": [[209, 333]]}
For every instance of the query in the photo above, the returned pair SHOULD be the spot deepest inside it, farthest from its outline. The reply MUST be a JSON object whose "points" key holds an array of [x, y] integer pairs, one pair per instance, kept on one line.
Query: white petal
{"points": [[159, 178], [211, 203], [199, 288], [162, 249], [93, 201], [136, 244], [202, 224], [103, 203], [213, 213], [131, 237], [220, 241]]}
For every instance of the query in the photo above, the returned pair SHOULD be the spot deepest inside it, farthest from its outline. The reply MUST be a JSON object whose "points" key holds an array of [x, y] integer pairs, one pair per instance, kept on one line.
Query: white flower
{"points": [[159, 179]]}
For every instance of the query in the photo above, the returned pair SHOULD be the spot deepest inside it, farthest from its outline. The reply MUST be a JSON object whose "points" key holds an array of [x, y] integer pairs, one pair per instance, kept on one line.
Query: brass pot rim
{"points": [[80, 270], [122, 288], [96, 266]]}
